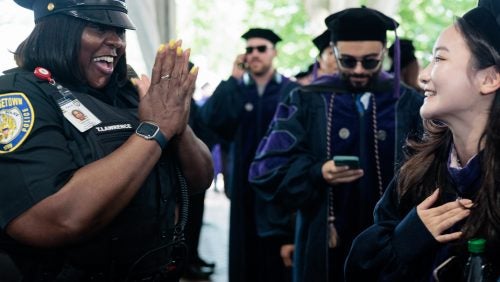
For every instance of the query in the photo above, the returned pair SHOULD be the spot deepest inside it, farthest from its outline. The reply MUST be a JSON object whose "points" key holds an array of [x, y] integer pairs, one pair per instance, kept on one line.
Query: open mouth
{"points": [[429, 93], [105, 63]]}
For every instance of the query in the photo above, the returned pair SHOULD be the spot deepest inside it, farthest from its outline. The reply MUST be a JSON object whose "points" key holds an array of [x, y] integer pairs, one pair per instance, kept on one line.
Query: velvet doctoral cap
{"points": [[493, 6], [106, 12], [262, 33], [359, 24], [485, 19], [407, 52], [322, 41]]}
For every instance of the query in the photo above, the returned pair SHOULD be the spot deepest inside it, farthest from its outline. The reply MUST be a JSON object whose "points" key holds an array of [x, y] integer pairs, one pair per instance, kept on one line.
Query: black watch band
{"points": [[151, 131]]}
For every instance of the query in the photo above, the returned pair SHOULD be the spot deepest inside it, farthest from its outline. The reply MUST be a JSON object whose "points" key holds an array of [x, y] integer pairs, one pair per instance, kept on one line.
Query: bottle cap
{"points": [[476, 245]]}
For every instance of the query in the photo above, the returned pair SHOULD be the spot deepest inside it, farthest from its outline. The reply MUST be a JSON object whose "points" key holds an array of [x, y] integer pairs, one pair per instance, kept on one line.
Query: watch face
{"points": [[147, 130]]}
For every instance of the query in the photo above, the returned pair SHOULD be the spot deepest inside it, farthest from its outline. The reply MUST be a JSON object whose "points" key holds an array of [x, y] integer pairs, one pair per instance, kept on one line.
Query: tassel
{"points": [[333, 235]]}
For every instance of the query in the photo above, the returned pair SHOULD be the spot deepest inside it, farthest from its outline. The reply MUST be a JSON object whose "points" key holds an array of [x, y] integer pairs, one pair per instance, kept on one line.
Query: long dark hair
{"points": [[55, 44], [426, 169]]}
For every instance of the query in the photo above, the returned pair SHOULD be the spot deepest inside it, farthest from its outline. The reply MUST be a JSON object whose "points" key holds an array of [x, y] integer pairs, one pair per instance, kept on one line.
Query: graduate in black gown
{"points": [[448, 190], [239, 111], [363, 112]]}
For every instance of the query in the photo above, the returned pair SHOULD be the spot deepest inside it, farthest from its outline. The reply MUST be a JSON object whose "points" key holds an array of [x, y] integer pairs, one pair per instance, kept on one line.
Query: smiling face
{"points": [[101, 48], [359, 77], [451, 86]]}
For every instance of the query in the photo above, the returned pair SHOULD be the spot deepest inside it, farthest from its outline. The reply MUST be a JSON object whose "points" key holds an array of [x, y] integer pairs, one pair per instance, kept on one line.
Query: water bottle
{"points": [[477, 269]]}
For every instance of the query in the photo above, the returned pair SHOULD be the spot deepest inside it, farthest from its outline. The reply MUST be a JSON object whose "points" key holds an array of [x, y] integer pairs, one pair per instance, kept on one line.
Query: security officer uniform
{"points": [[40, 150]]}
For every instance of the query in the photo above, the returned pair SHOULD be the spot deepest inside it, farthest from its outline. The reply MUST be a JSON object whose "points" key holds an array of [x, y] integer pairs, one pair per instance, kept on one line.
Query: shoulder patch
{"points": [[16, 120]]}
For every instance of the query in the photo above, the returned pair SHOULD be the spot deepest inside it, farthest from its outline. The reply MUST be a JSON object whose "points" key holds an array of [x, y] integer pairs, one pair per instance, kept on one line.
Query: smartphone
{"points": [[351, 161], [243, 65]]}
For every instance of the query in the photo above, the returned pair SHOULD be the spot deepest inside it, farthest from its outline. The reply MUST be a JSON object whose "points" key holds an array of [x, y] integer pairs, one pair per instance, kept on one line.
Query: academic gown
{"points": [[237, 113], [287, 165], [398, 246]]}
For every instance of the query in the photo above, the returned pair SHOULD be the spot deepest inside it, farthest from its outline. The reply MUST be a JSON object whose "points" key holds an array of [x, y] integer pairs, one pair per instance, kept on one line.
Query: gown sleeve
{"points": [[394, 248], [286, 168], [222, 111]]}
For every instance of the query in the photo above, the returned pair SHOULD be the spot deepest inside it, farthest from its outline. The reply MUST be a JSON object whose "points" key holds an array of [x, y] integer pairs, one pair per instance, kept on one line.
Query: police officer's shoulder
{"points": [[17, 114], [21, 80], [17, 77]]}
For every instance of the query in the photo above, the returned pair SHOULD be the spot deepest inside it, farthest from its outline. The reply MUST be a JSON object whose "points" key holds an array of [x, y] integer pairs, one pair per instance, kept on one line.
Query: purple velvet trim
{"points": [[217, 158], [277, 141], [397, 64], [328, 80], [284, 112], [466, 179], [258, 169], [315, 70]]}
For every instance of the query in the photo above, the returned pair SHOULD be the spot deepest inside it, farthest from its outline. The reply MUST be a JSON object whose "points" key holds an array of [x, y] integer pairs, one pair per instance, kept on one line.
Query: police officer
{"points": [[94, 199]]}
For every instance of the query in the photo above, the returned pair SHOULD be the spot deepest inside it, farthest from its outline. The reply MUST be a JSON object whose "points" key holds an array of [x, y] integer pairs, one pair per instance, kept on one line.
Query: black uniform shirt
{"points": [[53, 149]]}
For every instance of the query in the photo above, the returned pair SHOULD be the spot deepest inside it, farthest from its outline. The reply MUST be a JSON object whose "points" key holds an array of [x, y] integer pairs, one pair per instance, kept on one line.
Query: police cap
{"points": [[322, 41], [359, 24], [106, 12], [262, 33]]}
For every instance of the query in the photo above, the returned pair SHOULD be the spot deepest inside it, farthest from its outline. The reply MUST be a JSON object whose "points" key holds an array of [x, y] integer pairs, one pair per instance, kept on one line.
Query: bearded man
{"points": [[239, 111], [360, 114]]}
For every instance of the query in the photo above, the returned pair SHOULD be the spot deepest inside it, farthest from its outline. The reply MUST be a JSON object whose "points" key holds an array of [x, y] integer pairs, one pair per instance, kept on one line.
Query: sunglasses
{"points": [[350, 62], [260, 49]]}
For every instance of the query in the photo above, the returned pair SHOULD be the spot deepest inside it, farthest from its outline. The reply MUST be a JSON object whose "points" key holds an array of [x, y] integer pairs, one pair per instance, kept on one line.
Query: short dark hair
{"points": [[55, 44]]}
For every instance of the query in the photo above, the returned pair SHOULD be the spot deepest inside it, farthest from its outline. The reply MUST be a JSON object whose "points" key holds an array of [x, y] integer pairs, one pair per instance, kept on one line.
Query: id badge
{"points": [[73, 110], [77, 114]]}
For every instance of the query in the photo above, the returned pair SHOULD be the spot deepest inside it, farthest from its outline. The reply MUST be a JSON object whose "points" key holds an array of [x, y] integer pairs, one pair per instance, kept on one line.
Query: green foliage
{"points": [[213, 28], [423, 20], [289, 19]]}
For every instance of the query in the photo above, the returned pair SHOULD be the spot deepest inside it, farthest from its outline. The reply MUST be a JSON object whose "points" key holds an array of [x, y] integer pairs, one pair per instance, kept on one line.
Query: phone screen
{"points": [[351, 161]]}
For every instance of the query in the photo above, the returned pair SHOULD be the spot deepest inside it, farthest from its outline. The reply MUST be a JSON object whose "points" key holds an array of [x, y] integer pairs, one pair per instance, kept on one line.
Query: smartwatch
{"points": [[151, 131]]}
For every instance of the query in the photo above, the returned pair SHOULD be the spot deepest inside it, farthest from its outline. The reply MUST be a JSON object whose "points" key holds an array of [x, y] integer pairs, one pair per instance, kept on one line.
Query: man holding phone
{"points": [[359, 116], [240, 110]]}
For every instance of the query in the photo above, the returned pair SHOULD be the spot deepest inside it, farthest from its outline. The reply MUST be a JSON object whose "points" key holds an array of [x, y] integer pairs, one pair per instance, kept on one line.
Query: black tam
{"points": [[359, 24], [262, 33]]}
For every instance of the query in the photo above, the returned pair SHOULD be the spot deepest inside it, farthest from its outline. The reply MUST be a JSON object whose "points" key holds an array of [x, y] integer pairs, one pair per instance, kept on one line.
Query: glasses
{"points": [[260, 49], [350, 62]]}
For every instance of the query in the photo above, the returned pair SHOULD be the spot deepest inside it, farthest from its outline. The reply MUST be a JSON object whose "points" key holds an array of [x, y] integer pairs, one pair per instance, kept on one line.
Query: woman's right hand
{"points": [[167, 100], [439, 219]]}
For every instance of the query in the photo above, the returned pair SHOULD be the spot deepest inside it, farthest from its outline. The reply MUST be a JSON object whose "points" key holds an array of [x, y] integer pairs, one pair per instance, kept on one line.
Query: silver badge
{"points": [[249, 107], [344, 133], [381, 135]]}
